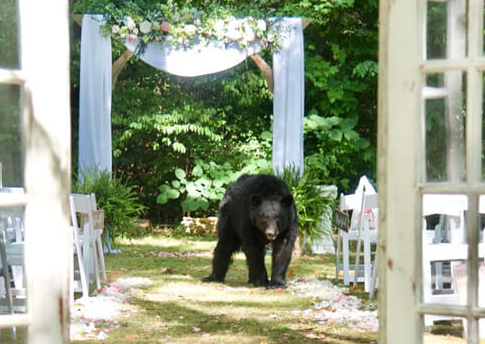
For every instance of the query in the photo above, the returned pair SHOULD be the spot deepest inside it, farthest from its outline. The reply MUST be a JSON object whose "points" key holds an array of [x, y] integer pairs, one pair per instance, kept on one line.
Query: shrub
{"points": [[310, 202], [116, 198], [201, 190]]}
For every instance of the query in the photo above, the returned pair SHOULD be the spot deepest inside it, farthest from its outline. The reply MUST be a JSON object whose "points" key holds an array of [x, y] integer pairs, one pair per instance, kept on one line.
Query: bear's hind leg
{"points": [[228, 244]]}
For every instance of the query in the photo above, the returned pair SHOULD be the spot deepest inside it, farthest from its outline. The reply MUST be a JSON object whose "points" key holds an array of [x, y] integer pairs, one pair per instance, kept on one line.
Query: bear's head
{"points": [[270, 215]]}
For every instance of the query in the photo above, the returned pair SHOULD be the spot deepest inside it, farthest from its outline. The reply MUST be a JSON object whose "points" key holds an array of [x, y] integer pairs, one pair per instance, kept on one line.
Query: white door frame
{"points": [[44, 80], [401, 166]]}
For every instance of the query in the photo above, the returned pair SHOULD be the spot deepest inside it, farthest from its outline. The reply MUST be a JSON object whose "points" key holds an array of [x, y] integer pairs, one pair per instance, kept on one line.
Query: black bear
{"points": [[256, 210]]}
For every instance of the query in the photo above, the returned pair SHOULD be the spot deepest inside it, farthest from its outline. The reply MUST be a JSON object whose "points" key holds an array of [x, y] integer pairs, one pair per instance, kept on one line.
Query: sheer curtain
{"points": [[95, 89], [94, 97], [288, 100]]}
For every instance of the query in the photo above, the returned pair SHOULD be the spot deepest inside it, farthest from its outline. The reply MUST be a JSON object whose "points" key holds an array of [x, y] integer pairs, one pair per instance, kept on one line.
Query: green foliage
{"points": [[184, 26], [310, 201], [9, 28], [162, 123], [116, 198], [205, 186], [341, 149], [10, 138]]}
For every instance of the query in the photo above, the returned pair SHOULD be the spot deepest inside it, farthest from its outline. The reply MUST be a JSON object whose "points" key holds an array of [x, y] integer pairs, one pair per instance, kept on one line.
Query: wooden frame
{"points": [[401, 165], [45, 112]]}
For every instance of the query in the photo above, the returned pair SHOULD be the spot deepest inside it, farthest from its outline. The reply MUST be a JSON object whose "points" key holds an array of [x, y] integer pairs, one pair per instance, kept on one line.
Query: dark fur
{"points": [[256, 210]]}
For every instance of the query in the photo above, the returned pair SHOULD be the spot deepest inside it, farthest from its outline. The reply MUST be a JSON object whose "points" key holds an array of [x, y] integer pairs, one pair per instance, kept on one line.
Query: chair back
{"points": [[97, 215], [81, 204], [356, 202]]}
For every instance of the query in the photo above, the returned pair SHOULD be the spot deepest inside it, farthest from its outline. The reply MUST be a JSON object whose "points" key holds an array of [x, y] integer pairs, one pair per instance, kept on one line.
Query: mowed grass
{"points": [[179, 308]]}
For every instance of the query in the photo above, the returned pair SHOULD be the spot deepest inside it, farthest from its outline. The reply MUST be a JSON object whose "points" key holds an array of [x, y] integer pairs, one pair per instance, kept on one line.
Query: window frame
{"points": [[401, 166], [43, 76]]}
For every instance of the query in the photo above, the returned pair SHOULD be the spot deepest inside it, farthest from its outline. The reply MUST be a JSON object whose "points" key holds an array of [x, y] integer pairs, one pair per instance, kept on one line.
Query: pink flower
{"points": [[132, 38], [165, 27]]}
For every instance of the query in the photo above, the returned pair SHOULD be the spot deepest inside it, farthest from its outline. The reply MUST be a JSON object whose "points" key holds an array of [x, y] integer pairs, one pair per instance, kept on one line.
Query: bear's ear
{"points": [[287, 201], [254, 201]]}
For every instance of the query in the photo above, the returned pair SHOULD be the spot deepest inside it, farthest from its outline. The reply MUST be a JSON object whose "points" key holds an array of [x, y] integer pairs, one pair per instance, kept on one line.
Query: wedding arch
{"points": [[95, 150]]}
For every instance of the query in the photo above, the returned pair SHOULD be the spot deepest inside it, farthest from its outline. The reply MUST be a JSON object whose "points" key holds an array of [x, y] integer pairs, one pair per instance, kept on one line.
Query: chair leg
{"points": [[6, 278], [86, 254], [346, 263], [101, 259], [373, 282], [367, 259], [96, 265], [72, 278], [357, 259], [82, 270], [338, 266]]}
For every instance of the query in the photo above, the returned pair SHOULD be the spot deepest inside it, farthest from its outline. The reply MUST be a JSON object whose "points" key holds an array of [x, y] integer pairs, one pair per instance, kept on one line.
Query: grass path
{"points": [[178, 308]]}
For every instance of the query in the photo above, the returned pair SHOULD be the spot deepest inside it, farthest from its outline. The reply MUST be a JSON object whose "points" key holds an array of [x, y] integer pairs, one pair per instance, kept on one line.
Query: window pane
{"points": [[483, 128], [446, 29], [483, 29], [12, 236], [444, 248], [441, 329], [481, 253], [481, 329], [9, 48], [445, 101], [10, 137], [19, 332]]}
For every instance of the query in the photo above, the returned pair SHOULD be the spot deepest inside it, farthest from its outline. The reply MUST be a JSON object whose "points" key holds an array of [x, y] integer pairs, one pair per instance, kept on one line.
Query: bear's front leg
{"points": [[255, 261], [282, 250]]}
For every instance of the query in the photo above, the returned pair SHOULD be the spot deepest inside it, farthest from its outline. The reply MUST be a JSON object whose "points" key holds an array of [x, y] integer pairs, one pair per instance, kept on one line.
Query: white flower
{"points": [[262, 24], [115, 29], [248, 33], [233, 30], [135, 31], [219, 28], [197, 22], [190, 29], [145, 26], [271, 37], [129, 22]]}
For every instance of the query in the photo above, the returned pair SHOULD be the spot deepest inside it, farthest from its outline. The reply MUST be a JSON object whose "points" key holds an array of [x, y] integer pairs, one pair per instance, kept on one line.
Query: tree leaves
{"points": [[166, 193], [180, 174]]}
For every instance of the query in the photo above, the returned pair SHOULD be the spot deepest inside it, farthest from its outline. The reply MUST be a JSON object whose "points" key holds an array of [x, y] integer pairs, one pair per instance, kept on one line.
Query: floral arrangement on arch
{"points": [[187, 26]]}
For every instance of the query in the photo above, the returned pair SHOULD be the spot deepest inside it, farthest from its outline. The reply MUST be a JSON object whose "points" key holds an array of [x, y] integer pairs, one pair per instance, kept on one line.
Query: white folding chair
{"points": [[368, 229], [13, 292], [439, 252], [98, 224], [13, 218], [446, 244], [82, 245], [354, 203]]}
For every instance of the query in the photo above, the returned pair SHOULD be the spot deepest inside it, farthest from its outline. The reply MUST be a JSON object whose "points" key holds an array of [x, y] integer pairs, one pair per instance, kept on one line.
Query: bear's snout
{"points": [[271, 232]]}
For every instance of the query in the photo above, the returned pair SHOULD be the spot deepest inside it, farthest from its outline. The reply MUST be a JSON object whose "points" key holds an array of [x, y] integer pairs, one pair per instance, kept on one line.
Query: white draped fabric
{"points": [[95, 88], [288, 101], [199, 60], [95, 98]]}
